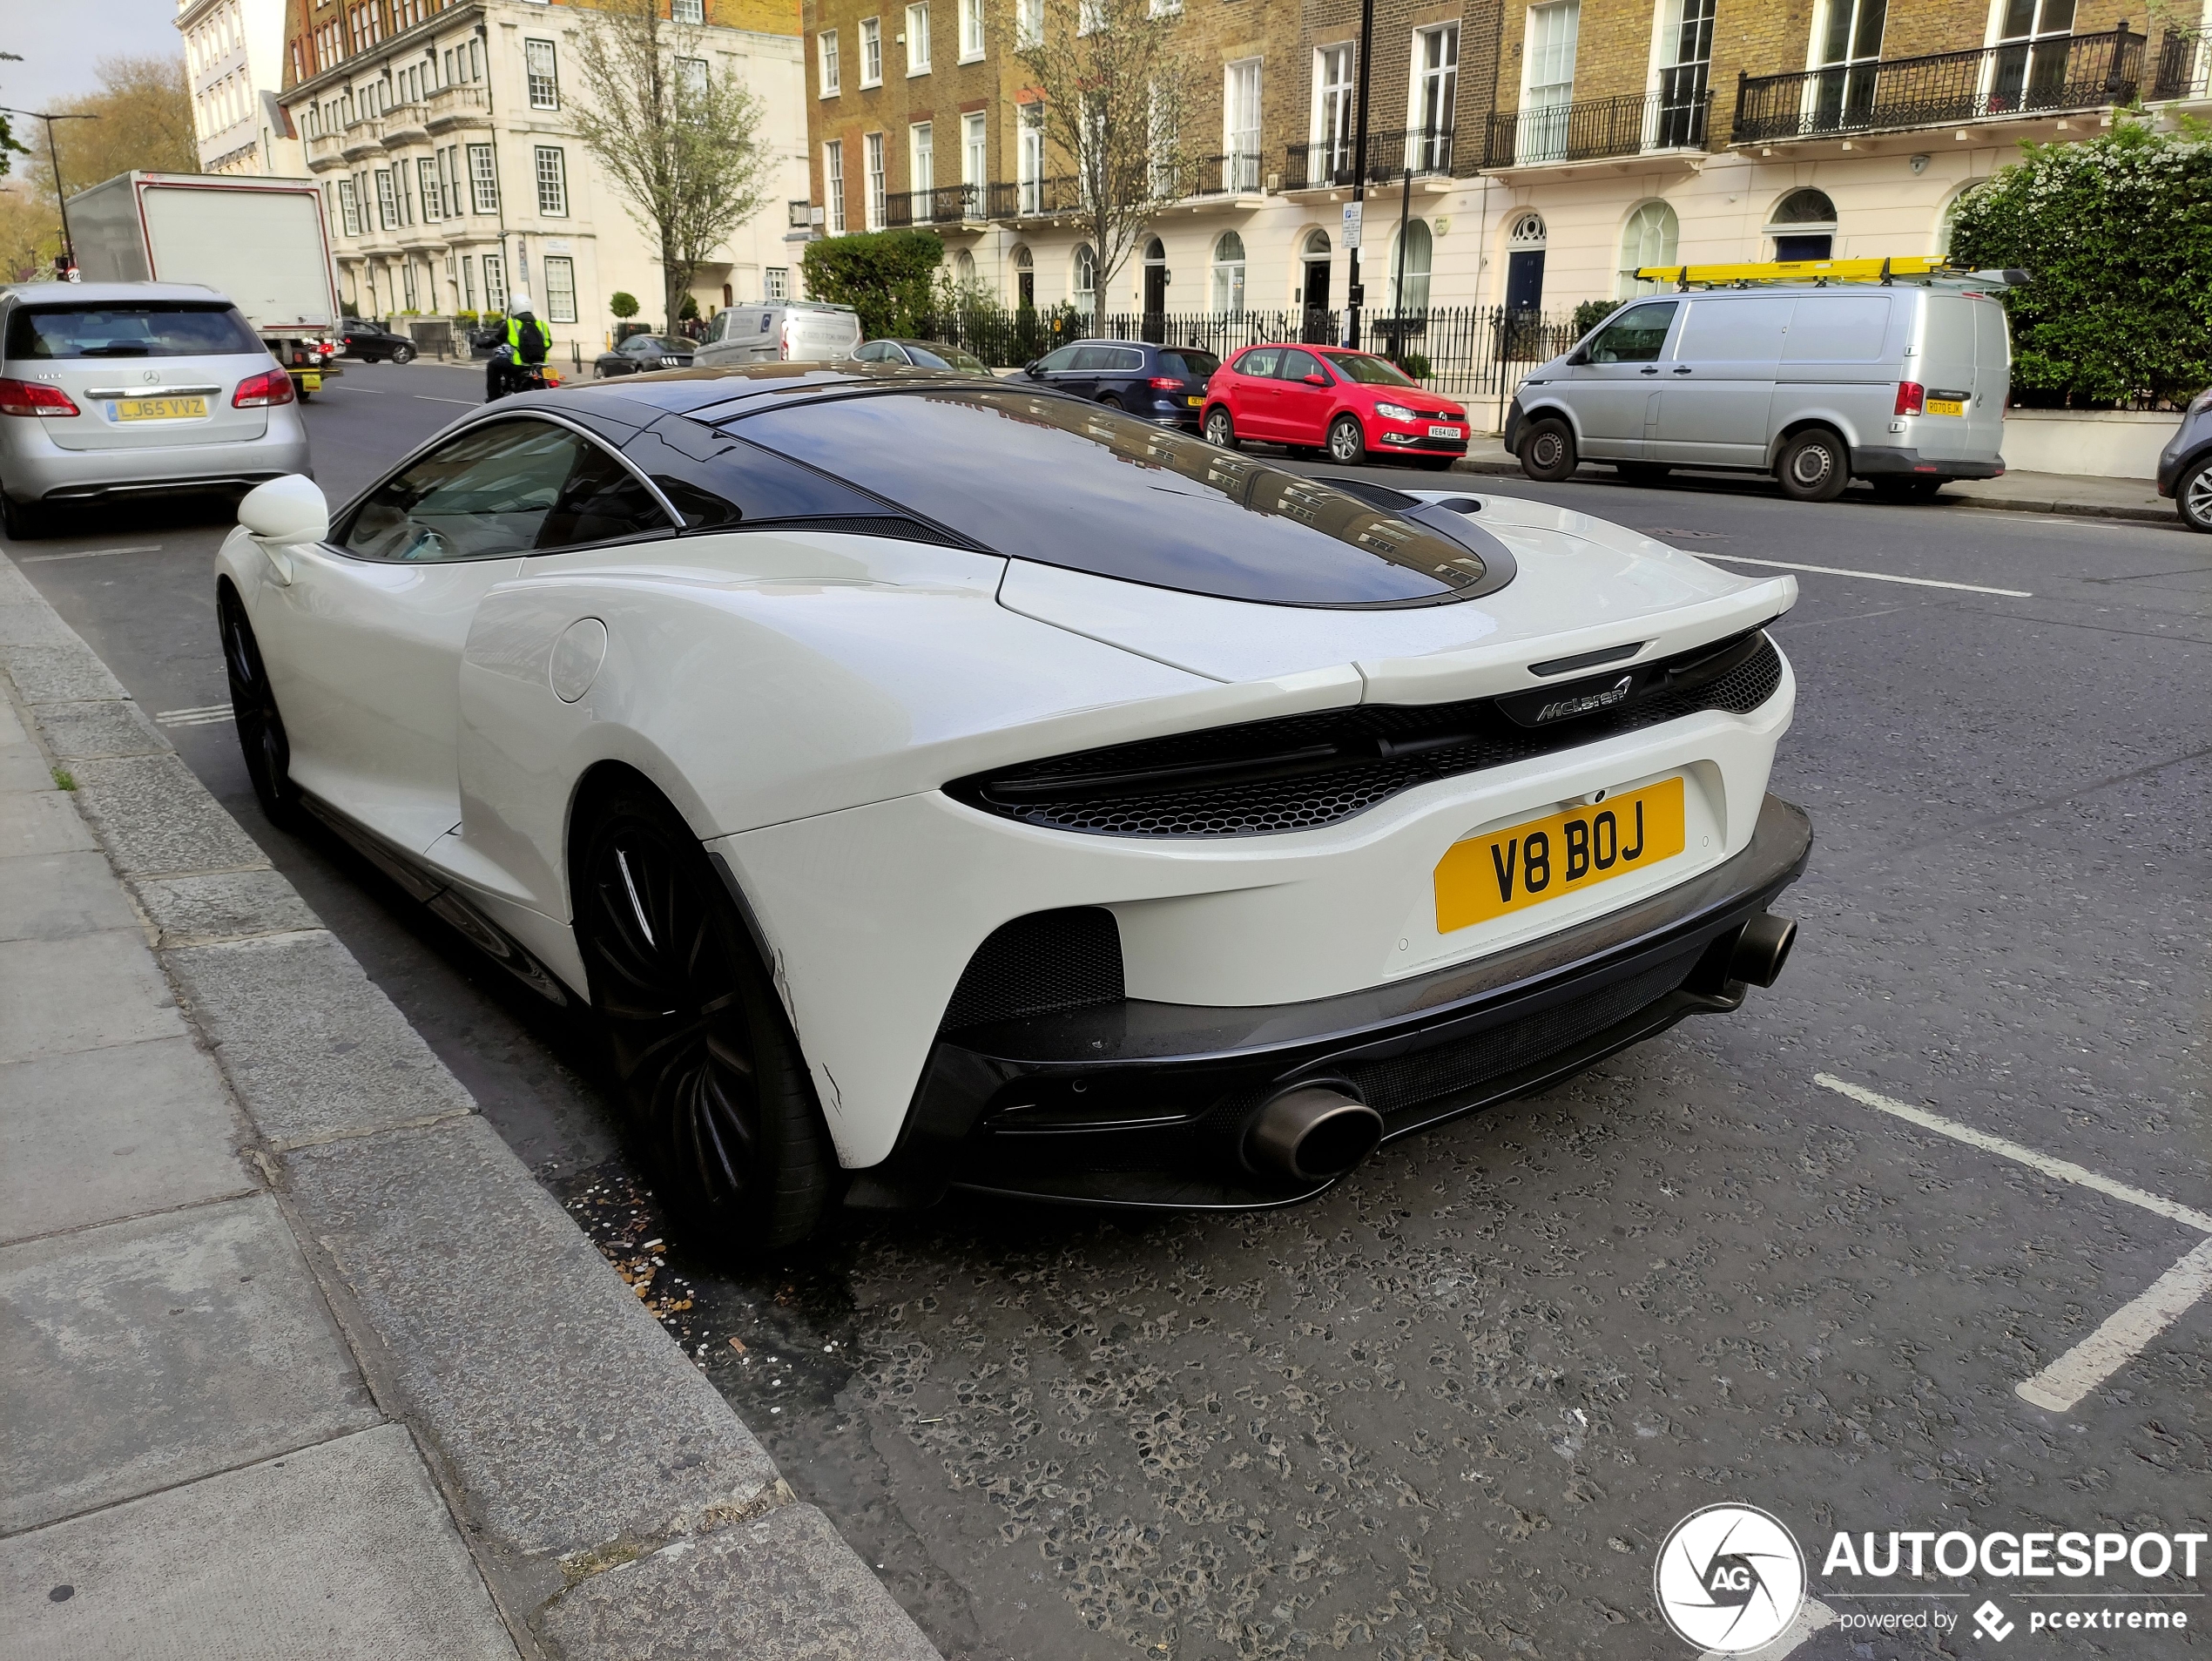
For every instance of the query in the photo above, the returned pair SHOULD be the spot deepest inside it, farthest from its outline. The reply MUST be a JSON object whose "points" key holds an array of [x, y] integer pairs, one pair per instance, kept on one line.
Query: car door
{"points": [[1302, 409], [1252, 395], [1122, 379], [364, 645], [1615, 387], [1056, 368], [1718, 380]]}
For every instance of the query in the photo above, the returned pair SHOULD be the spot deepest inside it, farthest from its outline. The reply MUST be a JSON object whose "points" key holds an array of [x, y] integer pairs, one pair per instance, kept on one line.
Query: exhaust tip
{"points": [[1313, 1133], [1761, 949]]}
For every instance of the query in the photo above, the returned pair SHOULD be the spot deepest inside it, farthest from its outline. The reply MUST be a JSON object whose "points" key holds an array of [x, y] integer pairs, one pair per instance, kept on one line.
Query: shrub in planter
{"points": [[2117, 234]]}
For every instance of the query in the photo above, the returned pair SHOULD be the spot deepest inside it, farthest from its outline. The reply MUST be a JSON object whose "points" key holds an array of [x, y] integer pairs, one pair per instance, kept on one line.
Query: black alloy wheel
{"points": [[253, 709], [1221, 431], [1547, 450], [1814, 466], [1347, 444], [403, 353], [709, 1070]]}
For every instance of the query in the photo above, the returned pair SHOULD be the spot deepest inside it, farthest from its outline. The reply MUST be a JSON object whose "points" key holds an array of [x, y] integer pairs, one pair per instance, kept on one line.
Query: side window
{"points": [[1635, 336], [600, 500], [872, 353], [484, 495], [1063, 358], [1297, 366], [1127, 359], [1094, 358], [1261, 363]]}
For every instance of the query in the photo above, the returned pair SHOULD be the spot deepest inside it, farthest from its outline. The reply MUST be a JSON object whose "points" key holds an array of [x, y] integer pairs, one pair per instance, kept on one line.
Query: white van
{"points": [[807, 331], [1904, 386]]}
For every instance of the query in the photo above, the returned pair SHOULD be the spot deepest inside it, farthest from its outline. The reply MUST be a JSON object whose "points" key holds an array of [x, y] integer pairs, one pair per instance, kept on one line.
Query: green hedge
{"points": [[886, 276], [2117, 233]]}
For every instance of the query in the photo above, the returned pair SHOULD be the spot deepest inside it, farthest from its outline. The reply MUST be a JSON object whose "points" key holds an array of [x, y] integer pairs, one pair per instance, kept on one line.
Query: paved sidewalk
{"points": [[2063, 493], [296, 1358]]}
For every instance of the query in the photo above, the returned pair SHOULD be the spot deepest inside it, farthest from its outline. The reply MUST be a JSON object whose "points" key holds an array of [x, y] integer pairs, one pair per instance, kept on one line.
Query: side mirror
{"points": [[283, 511], [1030, 367], [1316, 381]]}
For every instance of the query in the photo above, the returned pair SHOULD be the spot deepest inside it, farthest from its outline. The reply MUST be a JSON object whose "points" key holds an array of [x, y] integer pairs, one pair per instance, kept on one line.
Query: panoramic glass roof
{"points": [[1064, 483]]}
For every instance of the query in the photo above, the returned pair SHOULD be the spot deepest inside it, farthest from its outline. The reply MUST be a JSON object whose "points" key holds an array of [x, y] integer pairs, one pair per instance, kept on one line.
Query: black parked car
{"points": [[921, 355], [642, 352], [363, 338], [1165, 384]]}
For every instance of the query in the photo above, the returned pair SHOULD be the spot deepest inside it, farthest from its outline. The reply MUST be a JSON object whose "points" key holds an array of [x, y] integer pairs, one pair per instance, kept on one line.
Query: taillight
{"points": [[1911, 399], [33, 398], [1166, 384], [257, 391]]}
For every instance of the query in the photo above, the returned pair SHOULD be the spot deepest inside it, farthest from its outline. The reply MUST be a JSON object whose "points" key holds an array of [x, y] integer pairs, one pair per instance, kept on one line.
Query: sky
{"points": [[60, 40]]}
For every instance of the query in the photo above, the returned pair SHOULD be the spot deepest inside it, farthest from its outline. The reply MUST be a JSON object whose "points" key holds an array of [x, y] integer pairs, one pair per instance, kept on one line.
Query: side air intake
{"points": [[1047, 961]]}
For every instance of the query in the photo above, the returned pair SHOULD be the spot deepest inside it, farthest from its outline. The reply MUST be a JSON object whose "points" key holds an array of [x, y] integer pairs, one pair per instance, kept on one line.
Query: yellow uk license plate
{"points": [[311, 382], [1195, 400], [1525, 865], [159, 408], [1946, 406]]}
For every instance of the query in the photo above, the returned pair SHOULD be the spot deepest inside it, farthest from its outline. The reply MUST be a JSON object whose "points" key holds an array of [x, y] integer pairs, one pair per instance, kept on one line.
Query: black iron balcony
{"points": [[1328, 164], [945, 205], [2184, 65], [1036, 198], [1633, 124], [2027, 78]]}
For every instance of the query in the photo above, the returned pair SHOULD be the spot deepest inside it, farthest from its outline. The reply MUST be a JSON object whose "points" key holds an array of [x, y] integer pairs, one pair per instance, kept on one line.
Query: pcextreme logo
{"points": [[1730, 1579]]}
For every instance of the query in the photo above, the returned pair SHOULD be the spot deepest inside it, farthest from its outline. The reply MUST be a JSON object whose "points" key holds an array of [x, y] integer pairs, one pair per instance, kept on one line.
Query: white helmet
{"points": [[519, 301]]}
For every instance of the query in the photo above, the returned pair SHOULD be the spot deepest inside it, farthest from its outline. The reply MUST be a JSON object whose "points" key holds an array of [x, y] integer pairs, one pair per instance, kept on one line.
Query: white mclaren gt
{"points": [[932, 781]]}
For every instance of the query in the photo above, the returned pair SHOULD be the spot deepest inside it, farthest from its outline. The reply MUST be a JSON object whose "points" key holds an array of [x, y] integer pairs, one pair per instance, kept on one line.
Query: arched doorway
{"points": [[1525, 263], [1025, 279], [1155, 298], [1803, 225], [1313, 290]]}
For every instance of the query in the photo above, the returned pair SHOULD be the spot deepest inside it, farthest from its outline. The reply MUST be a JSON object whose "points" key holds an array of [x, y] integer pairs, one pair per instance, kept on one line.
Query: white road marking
{"points": [[429, 399], [1812, 1616], [347, 385], [199, 715], [88, 553], [2063, 1170], [1872, 577], [2122, 1337]]}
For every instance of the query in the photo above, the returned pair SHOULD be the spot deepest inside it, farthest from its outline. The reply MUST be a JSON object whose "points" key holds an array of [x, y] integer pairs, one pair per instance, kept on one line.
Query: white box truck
{"points": [[258, 242]]}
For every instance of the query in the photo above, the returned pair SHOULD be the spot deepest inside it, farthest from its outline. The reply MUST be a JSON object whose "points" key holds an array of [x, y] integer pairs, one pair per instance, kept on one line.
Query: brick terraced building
{"points": [[1553, 148]]}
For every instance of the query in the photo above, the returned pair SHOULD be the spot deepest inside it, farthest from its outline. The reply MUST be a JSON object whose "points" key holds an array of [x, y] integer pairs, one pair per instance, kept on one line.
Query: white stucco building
{"points": [[234, 65], [452, 176]]}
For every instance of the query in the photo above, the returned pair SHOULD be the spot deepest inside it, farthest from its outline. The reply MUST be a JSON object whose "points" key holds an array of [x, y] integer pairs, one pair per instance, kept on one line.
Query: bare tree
{"points": [[683, 142], [1118, 86]]}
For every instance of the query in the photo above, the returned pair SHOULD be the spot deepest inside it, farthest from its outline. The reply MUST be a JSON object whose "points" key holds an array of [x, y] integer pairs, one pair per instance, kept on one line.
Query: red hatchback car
{"points": [[1352, 404]]}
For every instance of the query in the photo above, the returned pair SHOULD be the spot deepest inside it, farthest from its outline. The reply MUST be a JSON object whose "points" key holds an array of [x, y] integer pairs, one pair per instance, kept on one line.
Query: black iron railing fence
{"points": [[946, 205], [1593, 128], [2065, 72], [1467, 352], [2184, 65], [1320, 167]]}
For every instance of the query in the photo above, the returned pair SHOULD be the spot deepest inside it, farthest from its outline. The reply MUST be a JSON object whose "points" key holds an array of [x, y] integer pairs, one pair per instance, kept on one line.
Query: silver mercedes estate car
{"points": [[111, 389]]}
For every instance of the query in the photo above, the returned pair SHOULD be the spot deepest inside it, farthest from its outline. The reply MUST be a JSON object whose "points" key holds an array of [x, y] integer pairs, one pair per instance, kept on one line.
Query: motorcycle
{"points": [[525, 377]]}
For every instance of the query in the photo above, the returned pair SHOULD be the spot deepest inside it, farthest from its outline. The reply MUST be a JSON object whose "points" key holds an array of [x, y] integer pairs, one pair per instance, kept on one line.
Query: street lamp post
{"points": [[54, 160], [1353, 295]]}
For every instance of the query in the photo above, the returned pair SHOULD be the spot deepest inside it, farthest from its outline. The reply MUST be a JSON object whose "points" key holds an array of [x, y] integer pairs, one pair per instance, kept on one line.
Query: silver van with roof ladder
{"points": [[795, 331], [1902, 383]]}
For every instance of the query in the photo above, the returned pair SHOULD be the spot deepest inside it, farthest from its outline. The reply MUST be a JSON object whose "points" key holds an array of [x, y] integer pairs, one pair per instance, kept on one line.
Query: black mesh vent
{"points": [[1308, 770], [1048, 960]]}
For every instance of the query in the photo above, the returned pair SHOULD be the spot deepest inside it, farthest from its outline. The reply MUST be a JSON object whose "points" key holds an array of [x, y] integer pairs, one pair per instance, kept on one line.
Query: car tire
{"points": [[1814, 466], [2193, 496], [1642, 472], [403, 354], [1221, 428], [1110, 401], [1348, 442], [253, 709], [25, 521], [1547, 450], [709, 1070]]}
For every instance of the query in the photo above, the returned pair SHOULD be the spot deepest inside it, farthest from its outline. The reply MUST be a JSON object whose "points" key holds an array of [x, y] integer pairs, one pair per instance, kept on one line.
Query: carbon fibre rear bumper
{"points": [[1146, 1105]]}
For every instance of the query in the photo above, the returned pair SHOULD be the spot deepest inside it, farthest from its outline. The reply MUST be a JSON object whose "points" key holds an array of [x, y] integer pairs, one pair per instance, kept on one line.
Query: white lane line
{"points": [[88, 553], [1872, 577], [1812, 1616], [2066, 1170], [472, 402], [347, 385], [2122, 1337]]}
